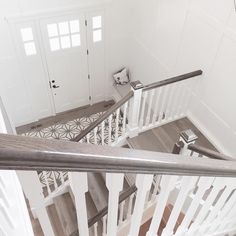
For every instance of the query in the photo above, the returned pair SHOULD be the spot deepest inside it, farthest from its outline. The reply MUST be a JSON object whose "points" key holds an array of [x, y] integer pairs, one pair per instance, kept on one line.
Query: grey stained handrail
{"points": [[172, 80], [27, 153], [103, 117], [209, 153]]}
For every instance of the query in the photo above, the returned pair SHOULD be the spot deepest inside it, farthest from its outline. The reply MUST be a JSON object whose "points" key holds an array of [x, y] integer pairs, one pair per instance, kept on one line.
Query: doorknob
{"points": [[54, 86]]}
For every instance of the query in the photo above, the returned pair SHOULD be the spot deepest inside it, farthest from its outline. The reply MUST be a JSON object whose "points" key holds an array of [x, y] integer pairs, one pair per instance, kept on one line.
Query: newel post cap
{"points": [[136, 85], [188, 136]]}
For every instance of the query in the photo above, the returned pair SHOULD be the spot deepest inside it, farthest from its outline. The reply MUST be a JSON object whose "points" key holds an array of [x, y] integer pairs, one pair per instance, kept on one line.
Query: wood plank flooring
{"points": [[66, 116], [163, 138]]}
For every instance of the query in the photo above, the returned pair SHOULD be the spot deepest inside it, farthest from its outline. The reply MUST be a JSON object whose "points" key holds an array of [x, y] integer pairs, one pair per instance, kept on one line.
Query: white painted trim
{"points": [[58, 11]]}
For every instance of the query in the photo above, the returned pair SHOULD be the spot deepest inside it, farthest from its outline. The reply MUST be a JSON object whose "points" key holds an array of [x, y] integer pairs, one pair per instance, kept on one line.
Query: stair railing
{"points": [[111, 125], [143, 108], [166, 100], [202, 189]]}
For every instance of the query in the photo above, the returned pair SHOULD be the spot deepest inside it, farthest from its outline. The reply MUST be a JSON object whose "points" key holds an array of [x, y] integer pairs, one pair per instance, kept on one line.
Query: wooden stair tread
{"points": [[55, 221], [91, 208], [98, 190], [66, 213], [146, 141]]}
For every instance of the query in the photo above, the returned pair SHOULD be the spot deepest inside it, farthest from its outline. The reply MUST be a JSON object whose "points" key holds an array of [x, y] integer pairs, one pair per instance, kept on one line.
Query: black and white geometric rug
{"points": [[69, 130]]}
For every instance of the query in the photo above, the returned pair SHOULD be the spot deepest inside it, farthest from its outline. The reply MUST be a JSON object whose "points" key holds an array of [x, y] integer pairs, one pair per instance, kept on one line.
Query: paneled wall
{"points": [[173, 37]]}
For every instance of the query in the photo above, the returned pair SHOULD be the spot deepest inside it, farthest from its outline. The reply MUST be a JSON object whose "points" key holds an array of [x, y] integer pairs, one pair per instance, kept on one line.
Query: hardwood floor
{"points": [[66, 116], [162, 139]]}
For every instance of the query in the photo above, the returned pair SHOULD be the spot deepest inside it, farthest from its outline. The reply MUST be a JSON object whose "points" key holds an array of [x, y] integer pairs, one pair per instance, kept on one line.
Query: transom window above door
{"points": [[64, 35]]}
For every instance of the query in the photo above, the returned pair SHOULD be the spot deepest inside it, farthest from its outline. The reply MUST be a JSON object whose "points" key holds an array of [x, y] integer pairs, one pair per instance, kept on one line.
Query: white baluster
{"points": [[156, 188], [79, 191], [141, 121], [102, 129], [114, 183], [109, 129], [4, 196], [117, 124], [104, 225], [143, 184], [121, 215], [150, 107], [130, 206], [187, 183], [2, 232], [218, 206], [224, 218], [95, 227], [163, 104], [167, 184], [34, 193], [95, 131], [7, 216], [228, 210], [134, 109], [169, 106], [88, 138], [203, 184], [2, 182], [124, 119], [157, 105], [218, 185]]}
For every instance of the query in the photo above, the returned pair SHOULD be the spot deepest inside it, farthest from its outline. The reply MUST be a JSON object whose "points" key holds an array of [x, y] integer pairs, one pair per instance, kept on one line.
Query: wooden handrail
{"points": [[103, 117], [26, 153], [123, 196], [172, 80], [209, 153]]}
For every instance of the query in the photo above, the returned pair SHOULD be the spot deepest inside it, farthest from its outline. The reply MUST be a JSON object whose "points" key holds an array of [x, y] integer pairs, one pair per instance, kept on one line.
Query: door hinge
{"points": [[88, 76], [87, 52], [86, 23], [50, 85], [90, 98]]}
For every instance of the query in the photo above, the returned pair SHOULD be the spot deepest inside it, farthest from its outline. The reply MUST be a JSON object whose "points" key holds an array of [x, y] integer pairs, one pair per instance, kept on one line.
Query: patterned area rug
{"points": [[69, 130]]}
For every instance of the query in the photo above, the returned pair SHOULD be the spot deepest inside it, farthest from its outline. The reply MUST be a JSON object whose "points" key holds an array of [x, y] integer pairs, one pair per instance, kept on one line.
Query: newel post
{"points": [[187, 137], [134, 109]]}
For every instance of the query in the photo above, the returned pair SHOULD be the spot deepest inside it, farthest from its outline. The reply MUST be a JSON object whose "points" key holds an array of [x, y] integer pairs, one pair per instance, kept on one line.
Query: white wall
{"points": [[173, 37], [15, 87]]}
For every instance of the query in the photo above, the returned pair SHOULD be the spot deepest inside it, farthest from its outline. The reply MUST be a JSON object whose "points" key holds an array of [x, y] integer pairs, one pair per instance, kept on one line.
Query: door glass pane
{"points": [[97, 22], [54, 44], [52, 30], [30, 49], [65, 42], [74, 26], [27, 34], [97, 35], [63, 28]]}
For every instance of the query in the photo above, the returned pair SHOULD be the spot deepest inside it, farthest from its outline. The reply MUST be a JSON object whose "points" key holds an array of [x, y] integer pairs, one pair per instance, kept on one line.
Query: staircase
{"points": [[100, 190]]}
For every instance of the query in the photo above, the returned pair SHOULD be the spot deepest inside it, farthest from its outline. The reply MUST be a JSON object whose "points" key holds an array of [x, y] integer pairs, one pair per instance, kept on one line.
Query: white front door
{"points": [[66, 54]]}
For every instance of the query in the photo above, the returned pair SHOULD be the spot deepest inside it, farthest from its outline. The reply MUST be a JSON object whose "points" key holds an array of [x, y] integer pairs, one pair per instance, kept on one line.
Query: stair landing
{"points": [[163, 138]]}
